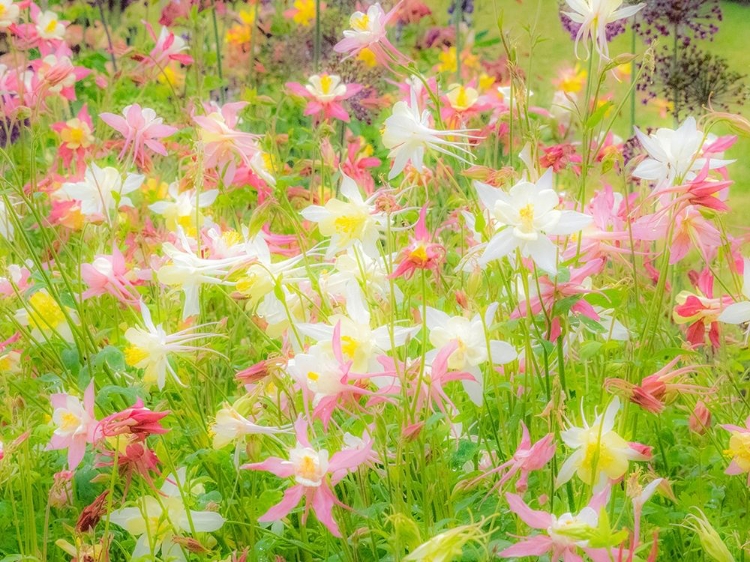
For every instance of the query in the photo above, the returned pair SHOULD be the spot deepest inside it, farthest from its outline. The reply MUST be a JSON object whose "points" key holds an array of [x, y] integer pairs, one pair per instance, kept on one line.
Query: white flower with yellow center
{"points": [[48, 26], [600, 453], [156, 521], [8, 13], [45, 317], [150, 348], [319, 372], [474, 346], [525, 218], [183, 209], [348, 222], [229, 426], [7, 230], [461, 98], [101, 191], [325, 87]]}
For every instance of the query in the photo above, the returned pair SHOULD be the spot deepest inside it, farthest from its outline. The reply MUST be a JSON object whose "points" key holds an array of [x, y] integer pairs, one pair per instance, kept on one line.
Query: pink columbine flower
{"points": [[76, 424], [421, 253], [169, 47], [656, 389], [434, 376], [109, 274], [557, 538], [739, 449], [137, 421], [141, 128], [222, 141], [367, 31], [325, 93], [527, 458], [314, 474], [700, 310], [76, 139]]}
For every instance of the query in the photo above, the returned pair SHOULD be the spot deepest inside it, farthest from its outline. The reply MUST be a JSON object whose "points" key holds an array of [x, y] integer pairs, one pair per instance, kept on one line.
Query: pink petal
{"points": [[534, 519], [535, 546], [291, 498], [274, 465], [322, 503]]}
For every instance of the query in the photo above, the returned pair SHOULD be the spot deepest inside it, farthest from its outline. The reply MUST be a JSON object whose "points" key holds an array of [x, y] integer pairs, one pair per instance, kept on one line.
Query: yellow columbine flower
{"points": [[76, 134], [448, 60], [461, 98], [367, 57], [304, 12]]}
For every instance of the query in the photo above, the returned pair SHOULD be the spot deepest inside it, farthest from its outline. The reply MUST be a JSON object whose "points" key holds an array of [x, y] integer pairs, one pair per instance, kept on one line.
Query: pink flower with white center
{"points": [[54, 73], [526, 459], [141, 128], [325, 92], [76, 424], [739, 449], [314, 473], [561, 537], [222, 142], [109, 274], [367, 31]]}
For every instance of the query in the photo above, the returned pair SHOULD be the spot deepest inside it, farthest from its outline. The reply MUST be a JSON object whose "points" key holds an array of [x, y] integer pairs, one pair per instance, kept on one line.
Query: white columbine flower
{"points": [[101, 191], [356, 220], [739, 312], [182, 209], [8, 13], [594, 16], [230, 425], [526, 217], [673, 155], [407, 133], [472, 351], [156, 521], [7, 230], [151, 347]]}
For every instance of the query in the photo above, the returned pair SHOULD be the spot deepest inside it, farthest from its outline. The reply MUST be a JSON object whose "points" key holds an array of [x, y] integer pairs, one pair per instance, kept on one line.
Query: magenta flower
{"points": [[325, 92], [367, 31], [561, 535], [314, 474], [421, 253], [526, 459], [76, 424], [108, 274], [137, 421], [141, 128]]}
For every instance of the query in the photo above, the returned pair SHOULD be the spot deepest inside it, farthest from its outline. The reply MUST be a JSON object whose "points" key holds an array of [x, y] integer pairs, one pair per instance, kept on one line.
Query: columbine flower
{"points": [[421, 253], [76, 424], [141, 128], [151, 347], [594, 15], [168, 47], [526, 217], [229, 425], [157, 522], [739, 312], [739, 449], [325, 92], [76, 138], [183, 211], [471, 345], [562, 536], [599, 451], [347, 223], [407, 133], [45, 317], [109, 274], [48, 26], [101, 192], [7, 229], [302, 12], [8, 13], [674, 155], [137, 421], [314, 473], [367, 31]]}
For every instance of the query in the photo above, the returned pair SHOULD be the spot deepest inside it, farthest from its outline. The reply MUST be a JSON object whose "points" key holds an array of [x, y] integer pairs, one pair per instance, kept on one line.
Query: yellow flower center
{"points": [[51, 25], [739, 450], [527, 217], [349, 346], [360, 22], [325, 83], [419, 254], [308, 469], [349, 225], [313, 376], [69, 421], [134, 355], [45, 312]]}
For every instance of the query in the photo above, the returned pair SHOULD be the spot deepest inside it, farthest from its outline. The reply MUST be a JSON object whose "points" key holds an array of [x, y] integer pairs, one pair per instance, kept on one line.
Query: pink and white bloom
{"points": [[183, 211], [315, 473], [368, 31], [108, 274], [739, 449], [561, 536], [325, 93], [169, 47], [76, 424], [739, 311], [525, 219], [141, 128]]}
